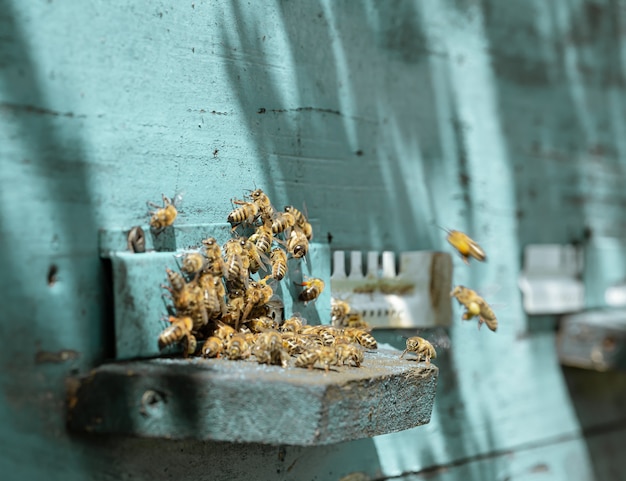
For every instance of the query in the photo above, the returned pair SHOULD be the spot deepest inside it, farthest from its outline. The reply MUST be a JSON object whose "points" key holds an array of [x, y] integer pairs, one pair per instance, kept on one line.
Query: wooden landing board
{"points": [[242, 401]]}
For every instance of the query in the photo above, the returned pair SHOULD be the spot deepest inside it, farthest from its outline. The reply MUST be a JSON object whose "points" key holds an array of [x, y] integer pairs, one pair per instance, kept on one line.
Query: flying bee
{"points": [[179, 331], [339, 310], [313, 287], [362, 337], [193, 263], [263, 237], [423, 349], [212, 347], [247, 213], [238, 347], [350, 354], [282, 222], [475, 306], [297, 244], [257, 294], [465, 246], [278, 258], [262, 201], [165, 215]]}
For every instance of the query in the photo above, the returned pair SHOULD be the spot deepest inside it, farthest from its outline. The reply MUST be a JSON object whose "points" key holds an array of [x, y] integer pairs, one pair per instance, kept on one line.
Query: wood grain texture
{"points": [[243, 401]]}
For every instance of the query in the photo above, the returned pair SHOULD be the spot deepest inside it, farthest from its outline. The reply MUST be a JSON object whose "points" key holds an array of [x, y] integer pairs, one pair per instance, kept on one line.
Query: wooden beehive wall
{"points": [[386, 118]]}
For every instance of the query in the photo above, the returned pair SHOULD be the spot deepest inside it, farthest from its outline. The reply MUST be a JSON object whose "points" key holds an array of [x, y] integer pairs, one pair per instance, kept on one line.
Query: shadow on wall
{"points": [[370, 126], [49, 253], [330, 127]]}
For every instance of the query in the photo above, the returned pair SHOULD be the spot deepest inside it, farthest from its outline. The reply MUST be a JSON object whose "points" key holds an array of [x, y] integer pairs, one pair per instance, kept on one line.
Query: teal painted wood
{"points": [[245, 402], [505, 121]]}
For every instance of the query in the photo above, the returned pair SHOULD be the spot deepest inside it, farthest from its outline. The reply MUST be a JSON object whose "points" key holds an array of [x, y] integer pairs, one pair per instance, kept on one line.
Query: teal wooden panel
{"points": [[383, 117]]}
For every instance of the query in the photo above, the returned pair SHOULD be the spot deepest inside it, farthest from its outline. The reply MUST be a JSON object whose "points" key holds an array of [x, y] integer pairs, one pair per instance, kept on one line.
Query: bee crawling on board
{"points": [[419, 346], [324, 355], [179, 331], [212, 347], [165, 215], [465, 246], [475, 306], [313, 287], [268, 349]]}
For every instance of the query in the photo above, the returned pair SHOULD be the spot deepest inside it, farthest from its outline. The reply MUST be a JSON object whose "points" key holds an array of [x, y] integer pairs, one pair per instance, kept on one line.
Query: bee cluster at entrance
{"points": [[219, 310]]}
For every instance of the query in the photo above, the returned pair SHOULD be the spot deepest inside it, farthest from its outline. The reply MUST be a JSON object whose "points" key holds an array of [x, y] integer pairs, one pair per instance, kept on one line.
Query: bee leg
{"points": [[465, 259], [402, 355]]}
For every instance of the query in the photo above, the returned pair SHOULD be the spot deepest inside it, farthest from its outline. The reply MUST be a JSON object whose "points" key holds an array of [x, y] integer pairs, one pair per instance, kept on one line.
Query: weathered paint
{"points": [[242, 401], [504, 120]]}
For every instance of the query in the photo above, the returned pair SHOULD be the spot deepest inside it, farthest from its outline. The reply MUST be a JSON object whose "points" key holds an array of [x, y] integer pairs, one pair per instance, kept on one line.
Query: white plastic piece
{"points": [[615, 295], [416, 296], [551, 279]]}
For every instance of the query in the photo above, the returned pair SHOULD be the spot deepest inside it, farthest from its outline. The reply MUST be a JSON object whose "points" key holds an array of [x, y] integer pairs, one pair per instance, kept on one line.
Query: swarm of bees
{"points": [[219, 310]]}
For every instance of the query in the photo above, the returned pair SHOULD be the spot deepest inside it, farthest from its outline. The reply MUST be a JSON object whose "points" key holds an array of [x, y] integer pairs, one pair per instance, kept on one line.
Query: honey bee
{"points": [[261, 324], [313, 287], [339, 310], [258, 293], [224, 332], [254, 256], [278, 259], [326, 356], [296, 344], [423, 349], [297, 244], [247, 213], [193, 263], [234, 309], [262, 201], [355, 319], [177, 282], [465, 246], [301, 221], [475, 306], [268, 349], [282, 222], [235, 262], [179, 331], [263, 237], [362, 337], [213, 254], [212, 347], [163, 216], [350, 354], [326, 334], [213, 291], [293, 324], [238, 347]]}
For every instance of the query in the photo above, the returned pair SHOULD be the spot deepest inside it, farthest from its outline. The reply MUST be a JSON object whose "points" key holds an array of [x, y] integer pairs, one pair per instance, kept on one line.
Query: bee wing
{"points": [[177, 200]]}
